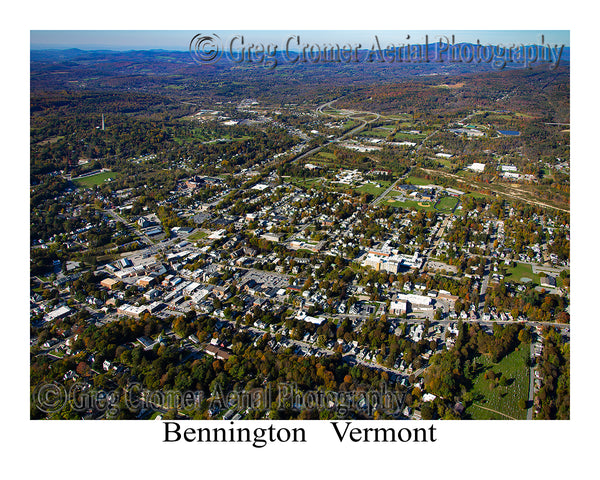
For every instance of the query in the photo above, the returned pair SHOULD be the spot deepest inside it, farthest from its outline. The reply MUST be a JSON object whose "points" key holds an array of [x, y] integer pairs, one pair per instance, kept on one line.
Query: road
{"points": [[355, 130], [119, 218], [384, 194]]}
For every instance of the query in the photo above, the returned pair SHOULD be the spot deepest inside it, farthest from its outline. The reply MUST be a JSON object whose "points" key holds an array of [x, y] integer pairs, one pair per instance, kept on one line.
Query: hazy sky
{"points": [[180, 39]]}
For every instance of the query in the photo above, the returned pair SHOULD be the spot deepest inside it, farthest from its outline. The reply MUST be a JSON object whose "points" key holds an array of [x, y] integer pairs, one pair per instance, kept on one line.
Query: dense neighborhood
{"points": [[317, 244]]}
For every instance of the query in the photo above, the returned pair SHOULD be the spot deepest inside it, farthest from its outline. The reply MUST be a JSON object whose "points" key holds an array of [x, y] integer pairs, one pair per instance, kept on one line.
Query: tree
{"points": [[524, 336], [427, 411]]}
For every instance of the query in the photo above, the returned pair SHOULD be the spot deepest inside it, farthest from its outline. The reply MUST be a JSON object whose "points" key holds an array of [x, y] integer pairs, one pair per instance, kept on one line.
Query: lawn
{"points": [[503, 399], [477, 195], [305, 182], [327, 155], [417, 181], [197, 236], [375, 133], [408, 137], [350, 124], [446, 204], [372, 189], [522, 270], [427, 206], [97, 179]]}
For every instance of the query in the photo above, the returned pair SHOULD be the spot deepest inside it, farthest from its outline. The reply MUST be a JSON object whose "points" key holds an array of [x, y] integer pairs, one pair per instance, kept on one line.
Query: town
{"points": [[322, 244]]}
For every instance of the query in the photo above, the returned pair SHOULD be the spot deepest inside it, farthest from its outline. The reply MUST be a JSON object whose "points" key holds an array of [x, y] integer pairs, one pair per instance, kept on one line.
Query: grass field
{"points": [[408, 137], [446, 204], [197, 236], [375, 133], [444, 163], [417, 181], [522, 270], [326, 155], [350, 124], [389, 200], [503, 399], [304, 182], [371, 188], [477, 195], [97, 179]]}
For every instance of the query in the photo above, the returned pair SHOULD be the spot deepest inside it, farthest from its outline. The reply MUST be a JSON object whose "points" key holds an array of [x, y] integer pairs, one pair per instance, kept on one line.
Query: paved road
{"points": [[384, 194], [355, 130], [119, 218]]}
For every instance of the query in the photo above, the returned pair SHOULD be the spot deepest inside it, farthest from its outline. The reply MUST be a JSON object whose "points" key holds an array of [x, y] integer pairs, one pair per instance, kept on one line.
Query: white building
{"points": [[477, 167], [398, 307]]}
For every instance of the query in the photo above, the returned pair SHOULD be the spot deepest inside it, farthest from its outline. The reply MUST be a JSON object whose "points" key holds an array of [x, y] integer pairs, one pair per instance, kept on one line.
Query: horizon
{"points": [[179, 40]]}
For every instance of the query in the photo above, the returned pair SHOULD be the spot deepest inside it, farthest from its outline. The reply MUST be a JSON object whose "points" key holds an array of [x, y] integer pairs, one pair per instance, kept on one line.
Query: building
{"points": [[60, 312], [477, 167], [415, 299], [446, 296], [151, 294], [109, 283], [548, 281], [391, 262], [272, 237], [398, 307], [146, 342], [145, 281], [131, 310], [218, 353], [307, 318]]}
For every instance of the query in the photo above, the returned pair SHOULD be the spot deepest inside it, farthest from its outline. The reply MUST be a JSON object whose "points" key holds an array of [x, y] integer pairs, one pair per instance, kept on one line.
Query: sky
{"points": [[180, 39]]}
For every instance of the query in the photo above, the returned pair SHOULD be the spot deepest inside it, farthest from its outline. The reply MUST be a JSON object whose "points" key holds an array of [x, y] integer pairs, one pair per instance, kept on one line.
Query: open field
{"points": [[427, 206], [418, 181], [446, 204], [503, 399], [408, 137], [326, 155], [376, 132], [522, 270], [97, 179], [51, 140], [372, 189], [197, 236], [304, 182]]}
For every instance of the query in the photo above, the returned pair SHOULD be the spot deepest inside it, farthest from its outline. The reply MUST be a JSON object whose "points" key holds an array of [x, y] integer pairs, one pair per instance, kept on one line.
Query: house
{"points": [[219, 353]]}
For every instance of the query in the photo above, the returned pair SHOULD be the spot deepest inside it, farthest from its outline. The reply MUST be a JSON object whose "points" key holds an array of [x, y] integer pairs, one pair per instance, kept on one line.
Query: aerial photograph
{"points": [[299, 225]]}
